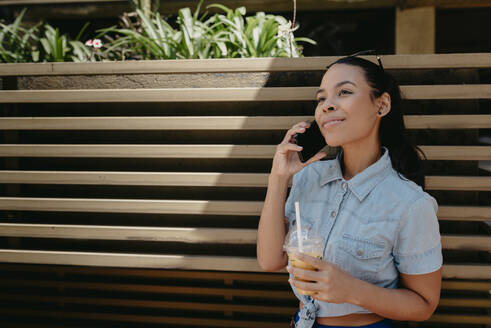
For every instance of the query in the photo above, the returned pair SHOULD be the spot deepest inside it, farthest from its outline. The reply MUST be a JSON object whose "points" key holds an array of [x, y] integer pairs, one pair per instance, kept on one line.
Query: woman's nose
{"points": [[329, 108]]}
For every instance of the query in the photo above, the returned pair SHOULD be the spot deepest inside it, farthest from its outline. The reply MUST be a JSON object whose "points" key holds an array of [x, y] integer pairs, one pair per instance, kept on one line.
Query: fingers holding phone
{"points": [[297, 128], [287, 159]]}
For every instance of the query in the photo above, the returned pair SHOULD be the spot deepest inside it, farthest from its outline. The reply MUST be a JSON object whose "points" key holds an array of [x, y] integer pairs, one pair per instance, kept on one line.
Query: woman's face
{"points": [[345, 112]]}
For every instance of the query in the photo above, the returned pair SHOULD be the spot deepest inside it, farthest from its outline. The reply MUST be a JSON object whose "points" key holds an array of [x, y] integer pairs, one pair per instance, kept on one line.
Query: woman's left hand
{"points": [[329, 283]]}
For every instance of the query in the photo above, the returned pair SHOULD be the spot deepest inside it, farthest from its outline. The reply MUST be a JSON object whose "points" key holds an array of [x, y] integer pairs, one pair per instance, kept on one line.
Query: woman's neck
{"points": [[358, 157]]}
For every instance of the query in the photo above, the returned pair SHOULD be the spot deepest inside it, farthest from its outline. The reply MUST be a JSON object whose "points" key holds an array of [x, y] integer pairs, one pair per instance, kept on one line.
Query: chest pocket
{"points": [[360, 257]]}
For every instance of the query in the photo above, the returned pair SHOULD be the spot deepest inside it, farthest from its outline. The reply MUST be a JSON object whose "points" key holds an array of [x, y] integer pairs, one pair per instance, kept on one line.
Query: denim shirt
{"points": [[375, 225]]}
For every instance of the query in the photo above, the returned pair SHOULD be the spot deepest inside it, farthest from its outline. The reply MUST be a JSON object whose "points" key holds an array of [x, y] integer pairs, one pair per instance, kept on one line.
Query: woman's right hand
{"points": [[286, 161]]}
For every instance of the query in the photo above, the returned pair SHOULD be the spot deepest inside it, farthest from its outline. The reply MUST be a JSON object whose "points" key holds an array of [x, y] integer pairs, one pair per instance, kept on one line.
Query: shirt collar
{"points": [[362, 183]]}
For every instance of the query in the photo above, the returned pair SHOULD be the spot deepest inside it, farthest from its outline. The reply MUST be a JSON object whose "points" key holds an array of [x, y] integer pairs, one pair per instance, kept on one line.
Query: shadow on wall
{"points": [[344, 32]]}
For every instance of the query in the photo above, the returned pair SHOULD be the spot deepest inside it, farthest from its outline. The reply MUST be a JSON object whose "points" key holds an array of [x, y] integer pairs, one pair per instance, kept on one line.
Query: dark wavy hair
{"points": [[392, 131]]}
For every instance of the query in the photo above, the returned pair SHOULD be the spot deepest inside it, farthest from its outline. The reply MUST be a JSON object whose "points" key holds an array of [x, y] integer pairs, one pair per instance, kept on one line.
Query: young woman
{"points": [[382, 255]]}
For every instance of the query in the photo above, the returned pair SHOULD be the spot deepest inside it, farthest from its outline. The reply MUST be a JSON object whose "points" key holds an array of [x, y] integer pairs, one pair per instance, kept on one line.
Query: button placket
{"points": [[340, 197]]}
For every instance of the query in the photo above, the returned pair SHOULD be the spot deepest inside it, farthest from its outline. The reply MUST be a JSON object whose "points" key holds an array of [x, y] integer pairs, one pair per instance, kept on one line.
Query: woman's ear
{"points": [[383, 104]]}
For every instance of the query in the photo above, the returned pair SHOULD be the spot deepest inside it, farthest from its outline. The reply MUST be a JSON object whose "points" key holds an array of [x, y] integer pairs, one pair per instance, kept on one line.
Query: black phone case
{"points": [[311, 140]]}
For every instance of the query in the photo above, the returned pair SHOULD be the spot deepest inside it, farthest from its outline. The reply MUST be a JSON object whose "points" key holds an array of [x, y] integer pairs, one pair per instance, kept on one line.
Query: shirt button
{"points": [[333, 213], [343, 185], [359, 252]]}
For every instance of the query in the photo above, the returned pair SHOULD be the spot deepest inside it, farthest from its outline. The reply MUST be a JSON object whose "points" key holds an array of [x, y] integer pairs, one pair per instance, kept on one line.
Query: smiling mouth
{"points": [[332, 123]]}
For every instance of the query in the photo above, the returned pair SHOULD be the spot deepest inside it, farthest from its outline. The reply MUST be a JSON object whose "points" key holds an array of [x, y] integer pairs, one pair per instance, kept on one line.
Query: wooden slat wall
{"points": [[219, 122], [411, 92], [109, 194], [424, 61]]}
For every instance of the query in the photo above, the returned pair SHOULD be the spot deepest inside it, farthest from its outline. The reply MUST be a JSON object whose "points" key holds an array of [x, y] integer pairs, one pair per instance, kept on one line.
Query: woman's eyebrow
{"points": [[344, 82], [337, 86]]}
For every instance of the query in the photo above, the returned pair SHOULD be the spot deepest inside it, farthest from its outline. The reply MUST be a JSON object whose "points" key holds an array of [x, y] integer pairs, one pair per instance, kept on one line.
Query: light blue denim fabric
{"points": [[375, 225]]}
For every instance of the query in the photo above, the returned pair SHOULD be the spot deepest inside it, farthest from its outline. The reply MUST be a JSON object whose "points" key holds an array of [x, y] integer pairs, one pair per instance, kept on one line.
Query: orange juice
{"points": [[303, 265], [310, 243]]}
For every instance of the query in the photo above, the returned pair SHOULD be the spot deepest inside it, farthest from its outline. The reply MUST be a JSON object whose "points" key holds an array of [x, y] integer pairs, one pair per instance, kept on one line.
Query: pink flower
{"points": [[97, 43], [88, 43]]}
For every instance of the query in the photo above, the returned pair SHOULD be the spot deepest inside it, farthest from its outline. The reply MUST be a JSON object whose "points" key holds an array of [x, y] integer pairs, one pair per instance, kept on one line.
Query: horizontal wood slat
{"points": [[462, 153], [197, 179], [421, 61], [462, 318], [154, 289], [159, 95], [458, 183], [455, 91], [469, 213], [185, 235], [465, 302], [216, 307], [475, 271], [201, 179], [474, 243], [446, 318], [186, 262], [132, 272], [411, 92], [134, 318], [204, 207], [249, 208], [154, 123], [273, 278], [482, 286], [139, 151], [458, 153], [220, 122], [447, 121]]}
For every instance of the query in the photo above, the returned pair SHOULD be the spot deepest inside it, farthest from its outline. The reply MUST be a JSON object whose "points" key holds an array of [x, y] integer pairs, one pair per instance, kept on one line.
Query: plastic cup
{"points": [[312, 245]]}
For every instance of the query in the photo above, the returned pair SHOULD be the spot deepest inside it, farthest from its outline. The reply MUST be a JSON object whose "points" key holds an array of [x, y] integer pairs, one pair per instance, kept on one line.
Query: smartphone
{"points": [[311, 140]]}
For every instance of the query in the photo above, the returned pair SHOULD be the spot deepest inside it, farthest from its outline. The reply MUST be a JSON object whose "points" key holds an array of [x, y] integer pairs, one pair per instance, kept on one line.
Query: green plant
{"points": [[18, 43], [79, 51], [55, 46], [140, 38], [258, 36], [145, 34], [147, 6], [58, 48], [39, 43], [228, 35], [151, 37]]}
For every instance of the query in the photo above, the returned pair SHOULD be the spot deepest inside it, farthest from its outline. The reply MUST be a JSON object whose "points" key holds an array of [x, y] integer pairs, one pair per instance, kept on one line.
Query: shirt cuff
{"points": [[426, 262]]}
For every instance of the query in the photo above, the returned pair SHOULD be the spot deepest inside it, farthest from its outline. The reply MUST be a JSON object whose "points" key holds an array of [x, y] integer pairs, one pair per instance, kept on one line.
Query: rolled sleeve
{"points": [[418, 248], [290, 204]]}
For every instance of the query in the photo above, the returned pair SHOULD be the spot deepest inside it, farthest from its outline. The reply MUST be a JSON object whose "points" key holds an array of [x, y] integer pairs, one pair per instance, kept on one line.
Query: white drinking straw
{"points": [[299, 227]]}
